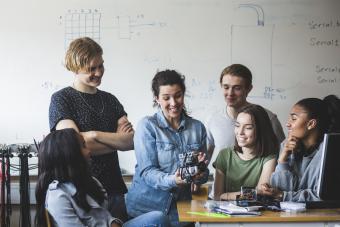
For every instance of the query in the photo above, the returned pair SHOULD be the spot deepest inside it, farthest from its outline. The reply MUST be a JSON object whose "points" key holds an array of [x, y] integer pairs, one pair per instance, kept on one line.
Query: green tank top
{"points": [[239, 172]]}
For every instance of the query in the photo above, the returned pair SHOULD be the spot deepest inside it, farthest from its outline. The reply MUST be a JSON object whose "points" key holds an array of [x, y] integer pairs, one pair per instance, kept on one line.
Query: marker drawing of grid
{"points": [[82, 23]]}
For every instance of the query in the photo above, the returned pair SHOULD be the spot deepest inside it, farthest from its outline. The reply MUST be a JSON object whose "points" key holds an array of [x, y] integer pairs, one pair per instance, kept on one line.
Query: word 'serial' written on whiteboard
{"points": [[291, 47]]}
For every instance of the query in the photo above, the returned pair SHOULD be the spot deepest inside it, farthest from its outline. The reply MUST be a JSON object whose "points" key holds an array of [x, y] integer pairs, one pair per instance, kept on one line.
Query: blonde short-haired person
{"points": [[97, 115]]}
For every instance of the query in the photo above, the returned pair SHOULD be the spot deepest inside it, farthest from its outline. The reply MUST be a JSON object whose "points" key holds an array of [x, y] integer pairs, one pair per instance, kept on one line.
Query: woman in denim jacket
{"points": [[66, 193], [162, 142]]}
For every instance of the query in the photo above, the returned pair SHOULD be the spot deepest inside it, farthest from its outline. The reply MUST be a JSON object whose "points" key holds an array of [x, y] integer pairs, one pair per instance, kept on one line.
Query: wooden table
{"points": [[310, 218]]}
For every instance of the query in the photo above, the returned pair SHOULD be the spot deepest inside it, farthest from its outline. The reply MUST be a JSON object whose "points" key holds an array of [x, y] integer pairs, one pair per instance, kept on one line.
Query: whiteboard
{"points": [[292, 48]]}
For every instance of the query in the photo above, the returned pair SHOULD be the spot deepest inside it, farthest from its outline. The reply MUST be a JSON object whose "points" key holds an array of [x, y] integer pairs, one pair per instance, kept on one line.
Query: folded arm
{"points": [[104, 142], [121, 140]]}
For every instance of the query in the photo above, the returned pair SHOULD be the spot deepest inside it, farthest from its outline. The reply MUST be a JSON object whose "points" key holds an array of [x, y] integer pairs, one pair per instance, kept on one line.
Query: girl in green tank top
{"points": [[252, 160]]}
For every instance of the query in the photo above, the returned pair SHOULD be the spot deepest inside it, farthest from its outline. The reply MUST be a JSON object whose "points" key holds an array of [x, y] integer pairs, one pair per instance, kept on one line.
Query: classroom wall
{"points": [[292, 48]]}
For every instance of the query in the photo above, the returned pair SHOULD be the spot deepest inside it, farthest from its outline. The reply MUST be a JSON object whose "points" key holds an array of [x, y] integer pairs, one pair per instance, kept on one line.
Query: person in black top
{"points": [[97, 115]]}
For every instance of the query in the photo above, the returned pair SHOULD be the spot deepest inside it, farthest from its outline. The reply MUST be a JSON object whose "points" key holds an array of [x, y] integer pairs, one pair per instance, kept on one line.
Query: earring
{"points": [[311, 124]]}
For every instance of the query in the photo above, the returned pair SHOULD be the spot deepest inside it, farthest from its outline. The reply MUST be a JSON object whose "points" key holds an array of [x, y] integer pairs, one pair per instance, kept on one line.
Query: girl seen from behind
{"points": [[67, 194]]}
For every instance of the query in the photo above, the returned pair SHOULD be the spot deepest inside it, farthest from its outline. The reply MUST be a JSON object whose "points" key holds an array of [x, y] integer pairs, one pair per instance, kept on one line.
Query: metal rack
{"points": [[23, 152]]}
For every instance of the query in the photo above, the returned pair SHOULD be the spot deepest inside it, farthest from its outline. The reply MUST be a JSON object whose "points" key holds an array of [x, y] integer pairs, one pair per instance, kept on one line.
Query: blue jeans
{"points": [[150, 219]]}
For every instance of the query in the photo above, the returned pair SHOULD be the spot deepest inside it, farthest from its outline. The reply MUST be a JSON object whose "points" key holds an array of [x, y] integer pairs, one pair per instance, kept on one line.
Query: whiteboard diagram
{"points": [[256, 52], [127, 26], [291, 47], [80, 23]]}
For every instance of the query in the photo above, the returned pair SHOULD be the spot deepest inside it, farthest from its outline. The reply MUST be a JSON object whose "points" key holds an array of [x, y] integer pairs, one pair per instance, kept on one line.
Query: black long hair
{"points": [[326, 112], [60, 158], [266, 142], [333, 109]]}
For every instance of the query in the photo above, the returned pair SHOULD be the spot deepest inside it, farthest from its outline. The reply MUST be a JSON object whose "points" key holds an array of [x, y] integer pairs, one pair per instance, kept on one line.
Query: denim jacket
{"points": [[157, 148]]}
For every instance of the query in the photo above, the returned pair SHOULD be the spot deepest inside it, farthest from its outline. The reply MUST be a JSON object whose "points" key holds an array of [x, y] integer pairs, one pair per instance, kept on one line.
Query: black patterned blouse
{"points": [[98, 112]]}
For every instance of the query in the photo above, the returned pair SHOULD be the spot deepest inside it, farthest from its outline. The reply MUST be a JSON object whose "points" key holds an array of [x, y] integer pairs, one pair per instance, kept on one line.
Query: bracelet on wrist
{"points": [[117, 221]]}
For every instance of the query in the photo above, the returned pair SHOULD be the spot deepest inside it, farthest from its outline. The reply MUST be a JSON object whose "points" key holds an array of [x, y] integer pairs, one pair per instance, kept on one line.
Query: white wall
{"points": [[292, 48]]}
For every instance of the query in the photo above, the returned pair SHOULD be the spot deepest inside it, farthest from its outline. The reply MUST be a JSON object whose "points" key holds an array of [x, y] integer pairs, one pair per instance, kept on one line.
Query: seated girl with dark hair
{"points": [[297, 173], [253, 158], [66, 193]]}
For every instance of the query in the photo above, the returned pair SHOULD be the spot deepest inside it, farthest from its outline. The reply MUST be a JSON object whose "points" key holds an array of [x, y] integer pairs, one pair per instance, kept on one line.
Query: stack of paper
{"points": [[232, 209], [292, 206]]}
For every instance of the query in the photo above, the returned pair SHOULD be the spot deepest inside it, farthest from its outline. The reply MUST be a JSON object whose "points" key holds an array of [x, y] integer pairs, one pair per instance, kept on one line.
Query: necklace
{"points": [[91, 107]]}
